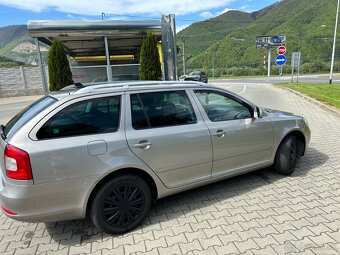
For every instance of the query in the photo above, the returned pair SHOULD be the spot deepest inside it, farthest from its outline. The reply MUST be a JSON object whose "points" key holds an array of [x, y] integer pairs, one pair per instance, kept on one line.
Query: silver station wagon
{"points": [[110, 150]]}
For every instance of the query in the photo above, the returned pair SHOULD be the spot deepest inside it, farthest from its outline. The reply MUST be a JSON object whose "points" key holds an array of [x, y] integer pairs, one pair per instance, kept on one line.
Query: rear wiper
{"points": [[2, 131]]}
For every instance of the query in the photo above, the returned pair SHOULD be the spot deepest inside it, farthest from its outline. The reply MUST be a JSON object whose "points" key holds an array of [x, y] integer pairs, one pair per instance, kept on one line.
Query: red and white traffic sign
{"points": [[281, 50]]}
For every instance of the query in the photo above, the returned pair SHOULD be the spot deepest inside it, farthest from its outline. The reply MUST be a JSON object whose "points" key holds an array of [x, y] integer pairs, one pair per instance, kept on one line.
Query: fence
{"points": [[20, 81]]}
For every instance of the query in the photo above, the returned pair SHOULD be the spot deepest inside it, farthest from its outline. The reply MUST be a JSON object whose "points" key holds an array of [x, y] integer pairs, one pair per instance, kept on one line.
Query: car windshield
{"points": [[25, 115], [194, 73]]}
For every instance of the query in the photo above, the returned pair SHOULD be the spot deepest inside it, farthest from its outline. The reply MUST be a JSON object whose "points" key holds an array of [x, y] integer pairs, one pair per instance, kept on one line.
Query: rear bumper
{"points": [[62, 200]]}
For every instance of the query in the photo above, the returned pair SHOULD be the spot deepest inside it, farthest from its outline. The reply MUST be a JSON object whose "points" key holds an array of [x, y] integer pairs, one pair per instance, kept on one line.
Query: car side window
{"points": [[93, 116], [161, 109], [220, 107]]}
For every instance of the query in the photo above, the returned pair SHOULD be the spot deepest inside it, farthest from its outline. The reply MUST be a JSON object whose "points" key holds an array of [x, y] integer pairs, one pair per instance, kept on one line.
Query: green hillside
{"points": [[203, 34], [308, 25], [10, 33], [5, 62]]}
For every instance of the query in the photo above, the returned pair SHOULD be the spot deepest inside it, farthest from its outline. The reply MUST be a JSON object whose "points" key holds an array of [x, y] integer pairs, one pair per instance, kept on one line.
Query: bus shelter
{"points": [[106, 50]]}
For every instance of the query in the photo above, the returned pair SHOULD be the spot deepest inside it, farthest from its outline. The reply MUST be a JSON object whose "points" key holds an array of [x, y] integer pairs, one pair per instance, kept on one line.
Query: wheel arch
{"points": [[301, 141], [134, 171]]}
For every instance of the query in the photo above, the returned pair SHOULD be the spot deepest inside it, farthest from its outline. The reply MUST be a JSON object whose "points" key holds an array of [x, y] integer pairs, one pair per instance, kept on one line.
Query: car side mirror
{"points": [[257, 112]]}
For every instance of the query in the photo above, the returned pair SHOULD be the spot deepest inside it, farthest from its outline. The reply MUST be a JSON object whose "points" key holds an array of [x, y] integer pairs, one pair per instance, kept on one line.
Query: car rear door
{"points": [[166, 131], [240, 142]]}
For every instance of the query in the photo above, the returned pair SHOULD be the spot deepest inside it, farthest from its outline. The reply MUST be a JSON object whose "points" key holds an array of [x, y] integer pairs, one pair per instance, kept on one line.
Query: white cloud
{"points": [[131, 7], [181, 27], [224, 11], [206, 15], [245, 7]]}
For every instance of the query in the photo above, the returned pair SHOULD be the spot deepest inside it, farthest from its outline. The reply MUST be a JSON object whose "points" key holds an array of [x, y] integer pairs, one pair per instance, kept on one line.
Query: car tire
{"points": [[121, 204], [286, 156]]}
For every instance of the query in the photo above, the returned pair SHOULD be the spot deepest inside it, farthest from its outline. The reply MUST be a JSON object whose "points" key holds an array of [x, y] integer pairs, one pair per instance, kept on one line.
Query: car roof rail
{"points": [[127, 85]]}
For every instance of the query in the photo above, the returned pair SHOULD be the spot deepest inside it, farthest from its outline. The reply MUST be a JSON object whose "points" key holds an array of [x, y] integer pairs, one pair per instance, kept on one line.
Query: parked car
{"points": [[197, 76], [182, 77], [110, 150]]}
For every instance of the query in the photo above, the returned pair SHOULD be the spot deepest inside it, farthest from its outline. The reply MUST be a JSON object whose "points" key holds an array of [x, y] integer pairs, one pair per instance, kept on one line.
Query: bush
{"points": [[150, 66], [59, 71], [317, 66]]}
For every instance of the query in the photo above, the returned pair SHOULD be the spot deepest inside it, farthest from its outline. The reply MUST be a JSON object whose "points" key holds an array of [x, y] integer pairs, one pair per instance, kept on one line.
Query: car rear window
{"points": [[19, 120], [93, 116]]}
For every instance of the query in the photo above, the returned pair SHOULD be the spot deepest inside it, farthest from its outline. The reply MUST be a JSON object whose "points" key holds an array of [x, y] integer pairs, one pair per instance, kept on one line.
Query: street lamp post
{"points": [[334, 42]]}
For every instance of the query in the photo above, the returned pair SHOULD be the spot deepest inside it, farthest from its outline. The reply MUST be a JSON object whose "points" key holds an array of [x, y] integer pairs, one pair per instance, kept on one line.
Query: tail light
{"points": [[17, 163], [8, 211]]}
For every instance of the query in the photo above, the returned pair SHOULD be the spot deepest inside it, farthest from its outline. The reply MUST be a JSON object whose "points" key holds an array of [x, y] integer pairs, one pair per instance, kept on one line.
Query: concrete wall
{"points": [[20, 81]]}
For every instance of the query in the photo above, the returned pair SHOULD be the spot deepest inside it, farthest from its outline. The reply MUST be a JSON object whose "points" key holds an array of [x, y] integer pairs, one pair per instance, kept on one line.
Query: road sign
{"points": [[281, 60], [281, 50], [296, 59], [265, 41]]}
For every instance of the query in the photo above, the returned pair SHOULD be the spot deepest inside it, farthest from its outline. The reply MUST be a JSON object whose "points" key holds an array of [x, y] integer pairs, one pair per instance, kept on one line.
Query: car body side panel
{"points": [[246, 142]]}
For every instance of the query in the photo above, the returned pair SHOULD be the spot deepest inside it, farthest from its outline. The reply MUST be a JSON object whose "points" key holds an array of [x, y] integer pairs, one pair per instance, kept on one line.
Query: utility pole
{"points": [[334, 42]]}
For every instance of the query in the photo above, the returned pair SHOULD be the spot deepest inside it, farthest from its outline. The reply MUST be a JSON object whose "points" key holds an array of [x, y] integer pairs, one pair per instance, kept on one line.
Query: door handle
{"points": [[144, 144], [219, 133]]}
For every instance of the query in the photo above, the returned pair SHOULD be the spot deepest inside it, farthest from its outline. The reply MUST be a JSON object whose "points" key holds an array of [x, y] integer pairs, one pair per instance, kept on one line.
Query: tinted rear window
{"points": [[19, 120], [93, 116]]}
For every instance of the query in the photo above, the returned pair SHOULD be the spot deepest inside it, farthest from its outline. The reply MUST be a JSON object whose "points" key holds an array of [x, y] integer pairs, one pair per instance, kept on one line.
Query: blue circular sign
{"points": [[281, 60]]}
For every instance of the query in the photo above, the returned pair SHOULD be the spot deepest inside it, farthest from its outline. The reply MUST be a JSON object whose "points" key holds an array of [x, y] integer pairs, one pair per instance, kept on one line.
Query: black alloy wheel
{"points": [[121, 204]]}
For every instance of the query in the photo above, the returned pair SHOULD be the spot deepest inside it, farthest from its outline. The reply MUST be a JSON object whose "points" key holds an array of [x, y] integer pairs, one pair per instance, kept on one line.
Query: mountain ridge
{"points": [[308, 25]]}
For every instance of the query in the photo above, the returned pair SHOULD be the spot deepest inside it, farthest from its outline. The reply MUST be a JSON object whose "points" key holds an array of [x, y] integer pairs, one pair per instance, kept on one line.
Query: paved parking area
{"points": [[257, 213]]}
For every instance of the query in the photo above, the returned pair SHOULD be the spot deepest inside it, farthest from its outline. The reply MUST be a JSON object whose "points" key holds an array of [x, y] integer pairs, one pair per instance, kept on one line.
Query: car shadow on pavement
{"points": [[196, 201]]}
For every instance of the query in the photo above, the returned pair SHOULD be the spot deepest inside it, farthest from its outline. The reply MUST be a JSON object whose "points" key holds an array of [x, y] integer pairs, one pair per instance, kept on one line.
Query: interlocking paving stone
{"points": [[256, 213]]}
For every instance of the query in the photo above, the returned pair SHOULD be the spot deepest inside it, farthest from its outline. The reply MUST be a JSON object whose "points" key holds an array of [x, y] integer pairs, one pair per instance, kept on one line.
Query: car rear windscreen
{"points": [[19, 120]]}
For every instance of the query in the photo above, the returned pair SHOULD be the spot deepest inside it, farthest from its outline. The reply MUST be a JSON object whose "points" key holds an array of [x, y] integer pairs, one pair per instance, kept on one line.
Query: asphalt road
{"points": [[12, 105]]}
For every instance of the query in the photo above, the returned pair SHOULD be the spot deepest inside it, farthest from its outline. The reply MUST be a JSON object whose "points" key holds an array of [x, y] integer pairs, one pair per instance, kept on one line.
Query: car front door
{"points": [[165, 130], [240, 142]]}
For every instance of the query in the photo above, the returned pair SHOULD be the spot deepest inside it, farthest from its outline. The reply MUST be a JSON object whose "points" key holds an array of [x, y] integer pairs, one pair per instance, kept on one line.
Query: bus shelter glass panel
{"points": [[89, 74], [125, 72]]}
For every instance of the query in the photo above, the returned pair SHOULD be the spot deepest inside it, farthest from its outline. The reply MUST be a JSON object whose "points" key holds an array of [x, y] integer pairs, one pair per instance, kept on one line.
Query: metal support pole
{"points": [[108, 64], [41, 66], [298, 68], [334, 42], [168, 25], [293, 66], [184, 69], [269, 60]]}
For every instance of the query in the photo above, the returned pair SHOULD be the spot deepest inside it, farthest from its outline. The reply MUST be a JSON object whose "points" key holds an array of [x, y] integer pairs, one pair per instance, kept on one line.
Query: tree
{"points": [[150, 66], [59, 71]]}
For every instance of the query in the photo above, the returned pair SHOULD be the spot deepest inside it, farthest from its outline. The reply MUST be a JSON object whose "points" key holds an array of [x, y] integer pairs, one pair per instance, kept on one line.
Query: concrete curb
{"points": [[327, 108]]}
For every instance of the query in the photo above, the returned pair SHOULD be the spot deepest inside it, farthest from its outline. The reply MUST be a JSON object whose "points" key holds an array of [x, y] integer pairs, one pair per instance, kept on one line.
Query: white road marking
{"points": [[244, 90]]}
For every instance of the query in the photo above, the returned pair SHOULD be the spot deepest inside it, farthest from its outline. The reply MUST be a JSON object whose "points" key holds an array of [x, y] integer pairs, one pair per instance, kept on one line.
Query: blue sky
{"points": [[187, 11]]}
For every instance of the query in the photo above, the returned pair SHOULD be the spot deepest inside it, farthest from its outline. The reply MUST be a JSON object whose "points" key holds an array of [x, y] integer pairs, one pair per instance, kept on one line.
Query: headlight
{"points": [[305, 121]]}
